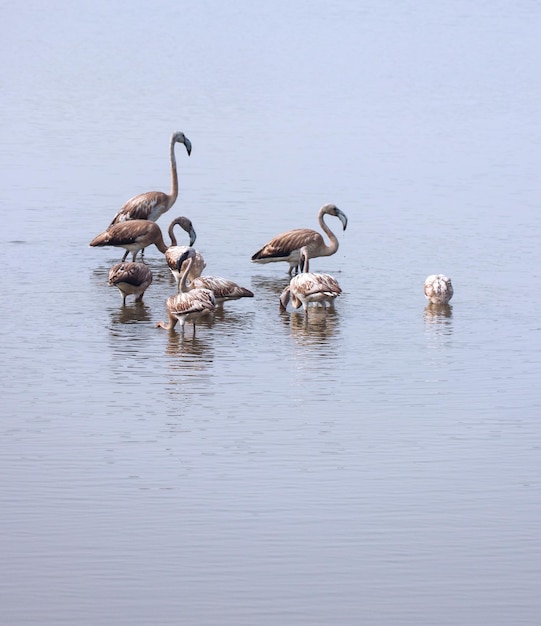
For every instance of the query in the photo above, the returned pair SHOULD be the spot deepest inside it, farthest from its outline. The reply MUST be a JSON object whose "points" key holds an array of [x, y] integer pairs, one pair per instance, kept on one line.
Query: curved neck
{"points": [[184, 280], [171, 233], [333, 239], [174, 176], [160, 244]]}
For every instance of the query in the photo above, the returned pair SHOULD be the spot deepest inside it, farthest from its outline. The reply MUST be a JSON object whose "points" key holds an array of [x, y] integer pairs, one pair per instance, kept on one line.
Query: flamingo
{"points": [[308, 287], [152, 204], [223, 288], [188, 306], [174, 252], [438, 289], [134, 235], [131, 279], [287, 246]]}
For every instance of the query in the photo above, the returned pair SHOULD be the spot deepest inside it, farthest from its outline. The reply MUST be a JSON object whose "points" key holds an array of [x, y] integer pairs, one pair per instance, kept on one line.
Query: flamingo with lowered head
{"points": [[223, 288], [287, 246], [131, 279], [134, 235], [438, 289], [307, 287], [152, 204], [188, 305]]}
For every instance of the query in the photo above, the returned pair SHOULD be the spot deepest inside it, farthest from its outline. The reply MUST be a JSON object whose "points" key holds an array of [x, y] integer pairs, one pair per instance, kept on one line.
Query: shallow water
{"points": [[378, 464]]}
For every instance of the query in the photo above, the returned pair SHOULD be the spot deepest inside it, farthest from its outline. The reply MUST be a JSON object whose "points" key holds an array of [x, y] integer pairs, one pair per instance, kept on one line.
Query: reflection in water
{"points": [[231, 321], [438, 319], [131, 314], [189, 351], [316, 328], [272, 287], [190, 377]]}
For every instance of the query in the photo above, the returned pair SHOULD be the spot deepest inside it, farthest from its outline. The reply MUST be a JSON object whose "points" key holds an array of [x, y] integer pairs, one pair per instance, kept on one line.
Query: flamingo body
{"points": [[287, 246], [223, 288], [174, 252], [133, 235], [310, 288], [438, 289], [130, 279], [152, 204], [188, 307]]}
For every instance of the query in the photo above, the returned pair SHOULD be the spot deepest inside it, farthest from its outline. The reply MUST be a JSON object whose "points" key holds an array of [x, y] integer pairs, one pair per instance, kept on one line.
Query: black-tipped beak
{"points": [[343, 218], [181, 260]]}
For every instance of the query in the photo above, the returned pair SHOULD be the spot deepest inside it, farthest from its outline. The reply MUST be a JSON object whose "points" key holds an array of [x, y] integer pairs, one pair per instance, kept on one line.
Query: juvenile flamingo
{"points": [[438, 289], [131, 279], [187, 306], [287, 245], [307, 287]]}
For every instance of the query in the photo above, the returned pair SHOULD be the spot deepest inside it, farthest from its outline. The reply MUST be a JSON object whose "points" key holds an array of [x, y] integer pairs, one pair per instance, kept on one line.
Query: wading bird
{"points": [[438, 289], [287, 246], [223, 288], [131, 279], [152, 204], [307, 287], [174, 252], [134, 235], [187, 306]]}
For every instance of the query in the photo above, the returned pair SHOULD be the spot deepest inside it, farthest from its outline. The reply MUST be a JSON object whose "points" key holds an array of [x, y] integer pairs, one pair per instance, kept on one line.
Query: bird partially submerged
{"points": [[309, 288], [134, 235], [130, 279], [286, 246], [152, 204], [438, 289]]}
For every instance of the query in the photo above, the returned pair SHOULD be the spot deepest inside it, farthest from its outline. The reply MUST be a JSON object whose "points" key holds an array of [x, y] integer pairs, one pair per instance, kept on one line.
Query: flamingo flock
{"points": [[134, 228]]}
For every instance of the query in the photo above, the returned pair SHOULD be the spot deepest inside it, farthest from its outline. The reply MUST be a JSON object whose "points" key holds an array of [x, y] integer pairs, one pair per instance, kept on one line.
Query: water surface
{"points": [[378, 464]]}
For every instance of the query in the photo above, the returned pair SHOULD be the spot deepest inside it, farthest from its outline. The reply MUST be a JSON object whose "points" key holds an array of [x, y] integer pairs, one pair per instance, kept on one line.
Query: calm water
{"points": [[378, 465]]}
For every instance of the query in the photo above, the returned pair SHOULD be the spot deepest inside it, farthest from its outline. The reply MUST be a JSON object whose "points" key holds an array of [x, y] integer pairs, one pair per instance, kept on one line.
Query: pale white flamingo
{"points": [[308, 287], [188, 306], [438, 289], [287, 246], [131, 279], [174, 252]]}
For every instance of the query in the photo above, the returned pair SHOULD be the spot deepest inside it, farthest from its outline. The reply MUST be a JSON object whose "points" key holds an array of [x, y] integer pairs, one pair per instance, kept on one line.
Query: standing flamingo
{"points": [[188, 305], [134, 235], [131, 279], [308, 287], [152, 204], [287, 246], [174, 252]]}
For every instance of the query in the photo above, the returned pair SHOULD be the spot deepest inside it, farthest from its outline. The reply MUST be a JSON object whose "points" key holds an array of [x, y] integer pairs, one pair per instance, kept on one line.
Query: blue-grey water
{"points": [[377, 465]]}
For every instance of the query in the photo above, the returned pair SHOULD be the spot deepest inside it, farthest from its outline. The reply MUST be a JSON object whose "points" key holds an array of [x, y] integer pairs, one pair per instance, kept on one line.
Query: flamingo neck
{"points": [[333, 239], [160, 244], [171, 233], [184, 280], [174, 176]]}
